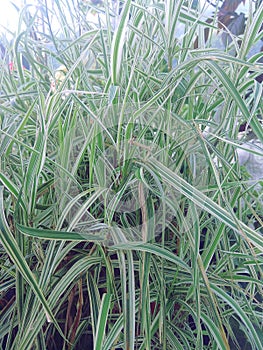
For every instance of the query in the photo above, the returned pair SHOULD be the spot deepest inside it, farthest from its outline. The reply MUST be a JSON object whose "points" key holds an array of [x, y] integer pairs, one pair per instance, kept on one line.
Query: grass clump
{"points": [[127, 220]]}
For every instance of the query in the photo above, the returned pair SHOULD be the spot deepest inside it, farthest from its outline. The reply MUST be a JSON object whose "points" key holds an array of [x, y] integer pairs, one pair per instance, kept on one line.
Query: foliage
{"points": [[126, 219]]}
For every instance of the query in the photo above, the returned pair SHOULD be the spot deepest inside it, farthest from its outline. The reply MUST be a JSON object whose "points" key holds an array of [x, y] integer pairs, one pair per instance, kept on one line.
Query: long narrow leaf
{"points": [[102, 321]]}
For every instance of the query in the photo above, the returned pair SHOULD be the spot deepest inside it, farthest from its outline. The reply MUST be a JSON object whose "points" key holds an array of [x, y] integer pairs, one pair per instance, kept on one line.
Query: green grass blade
{"points": [[118, 43], [58, 235], [102, 321], [153, 249]]}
